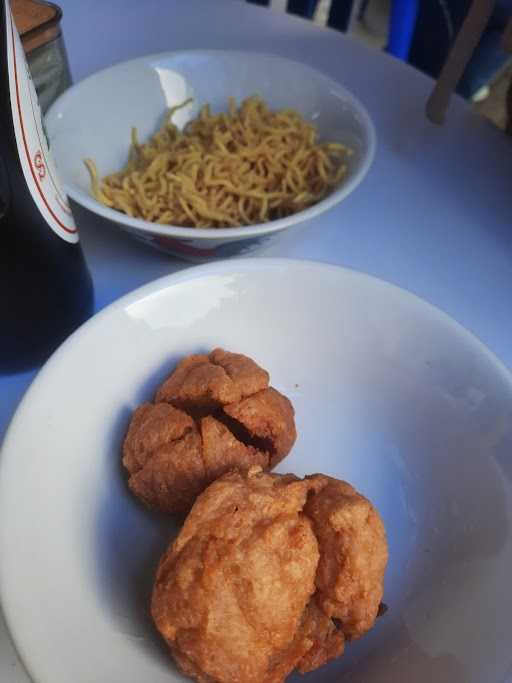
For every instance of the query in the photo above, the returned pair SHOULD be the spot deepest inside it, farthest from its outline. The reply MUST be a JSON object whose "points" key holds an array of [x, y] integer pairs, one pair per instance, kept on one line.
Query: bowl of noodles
{"points": [[209, 153]]}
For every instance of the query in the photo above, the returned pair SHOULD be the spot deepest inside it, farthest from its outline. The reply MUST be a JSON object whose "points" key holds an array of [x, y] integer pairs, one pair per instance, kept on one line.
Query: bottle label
{"points": [[35, 157]]}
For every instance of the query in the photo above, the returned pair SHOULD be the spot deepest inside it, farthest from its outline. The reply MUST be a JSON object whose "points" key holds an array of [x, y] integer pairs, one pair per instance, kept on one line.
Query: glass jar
{"points": [[39, 25]]}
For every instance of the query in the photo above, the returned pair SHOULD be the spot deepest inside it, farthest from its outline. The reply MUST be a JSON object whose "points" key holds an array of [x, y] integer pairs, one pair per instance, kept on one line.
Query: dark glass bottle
{"points": [[45, 287]]}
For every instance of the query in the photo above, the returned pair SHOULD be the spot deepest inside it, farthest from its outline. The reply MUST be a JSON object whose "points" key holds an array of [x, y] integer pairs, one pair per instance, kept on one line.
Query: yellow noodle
{"points": [[249, 165]]}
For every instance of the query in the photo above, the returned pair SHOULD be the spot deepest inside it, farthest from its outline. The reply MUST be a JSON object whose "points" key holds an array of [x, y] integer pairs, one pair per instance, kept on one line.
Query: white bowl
{"points": [[94, 119], [390, 394]]}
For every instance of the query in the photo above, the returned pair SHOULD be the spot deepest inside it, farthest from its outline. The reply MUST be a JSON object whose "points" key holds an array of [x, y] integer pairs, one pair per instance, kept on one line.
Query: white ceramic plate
{"points": [[94, 119], [390, 394]]}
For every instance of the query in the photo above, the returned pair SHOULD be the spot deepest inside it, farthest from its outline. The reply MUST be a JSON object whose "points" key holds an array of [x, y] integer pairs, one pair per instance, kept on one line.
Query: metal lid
{"points": [[38, 22]]}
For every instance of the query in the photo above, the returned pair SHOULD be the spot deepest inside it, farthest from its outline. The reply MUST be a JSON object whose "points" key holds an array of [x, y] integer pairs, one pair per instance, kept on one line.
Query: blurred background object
{"points": [[422, 32], [38, 23], [437, 26]]}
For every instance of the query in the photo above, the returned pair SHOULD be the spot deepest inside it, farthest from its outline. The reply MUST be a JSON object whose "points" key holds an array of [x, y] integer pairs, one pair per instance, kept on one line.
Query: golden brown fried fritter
{"points": [[237, 595], [213, 413], [353, 556], [214, 380], [267, 415], [163, 454], [326, 640], [244, 546], [151, 427], [222, 451]]}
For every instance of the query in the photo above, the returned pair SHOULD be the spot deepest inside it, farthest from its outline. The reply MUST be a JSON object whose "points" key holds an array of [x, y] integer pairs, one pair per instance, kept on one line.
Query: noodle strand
{"points": [[249, 165]]}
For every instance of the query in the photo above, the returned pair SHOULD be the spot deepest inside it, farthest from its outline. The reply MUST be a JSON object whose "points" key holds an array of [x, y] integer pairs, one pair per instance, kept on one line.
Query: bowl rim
{"points": [[241, 232]]}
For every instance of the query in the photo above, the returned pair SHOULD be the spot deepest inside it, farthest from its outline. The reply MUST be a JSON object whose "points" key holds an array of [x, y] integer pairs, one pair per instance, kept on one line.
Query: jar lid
{"points": [[38, 22]]}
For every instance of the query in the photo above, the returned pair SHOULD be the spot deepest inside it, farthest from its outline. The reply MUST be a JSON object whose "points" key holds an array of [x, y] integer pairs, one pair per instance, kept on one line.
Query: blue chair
{"points": [[401, 25], [426, 48]]}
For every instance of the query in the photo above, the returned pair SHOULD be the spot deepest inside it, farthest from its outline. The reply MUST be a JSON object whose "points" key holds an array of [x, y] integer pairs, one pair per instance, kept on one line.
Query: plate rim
{"points": [[193, 273]]}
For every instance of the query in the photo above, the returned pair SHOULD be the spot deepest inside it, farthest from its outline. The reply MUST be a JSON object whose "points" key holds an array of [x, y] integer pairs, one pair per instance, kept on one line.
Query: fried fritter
{"points": [[240, 594], [211, 381], [213, 413], [151, 427], [353, 556], [222, 451], [268, 417], [244, 546], [326, 640], [163, 454]]}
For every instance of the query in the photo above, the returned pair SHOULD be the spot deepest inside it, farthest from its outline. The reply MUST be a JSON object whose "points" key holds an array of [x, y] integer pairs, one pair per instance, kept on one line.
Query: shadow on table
{"points": [[118, 262], [95, 228]]}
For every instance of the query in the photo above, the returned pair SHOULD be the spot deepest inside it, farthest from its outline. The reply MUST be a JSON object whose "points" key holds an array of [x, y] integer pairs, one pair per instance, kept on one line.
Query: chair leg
{"points": [[465, 43], [339, 14], [303, 8]]}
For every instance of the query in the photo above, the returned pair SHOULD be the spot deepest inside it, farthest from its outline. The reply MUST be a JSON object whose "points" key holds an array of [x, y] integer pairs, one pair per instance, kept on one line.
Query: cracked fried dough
{"points": [[163, 455], [222, 451], [244, 546], [209, 381], [326, 640], [246, 591], [151, 427], [267, 415], [353, 554], [213, 413]]}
